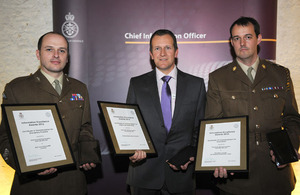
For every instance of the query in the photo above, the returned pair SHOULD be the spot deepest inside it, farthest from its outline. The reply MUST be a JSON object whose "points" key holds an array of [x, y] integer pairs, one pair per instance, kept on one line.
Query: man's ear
{"points": [[176, 53], [231, 42], [259, 38], [151, 55], [37, 53]]}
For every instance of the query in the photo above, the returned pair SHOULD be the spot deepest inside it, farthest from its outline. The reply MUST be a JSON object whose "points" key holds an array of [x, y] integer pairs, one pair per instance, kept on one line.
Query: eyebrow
{"points": [[47, 46], [163, 46], [244, 35]]}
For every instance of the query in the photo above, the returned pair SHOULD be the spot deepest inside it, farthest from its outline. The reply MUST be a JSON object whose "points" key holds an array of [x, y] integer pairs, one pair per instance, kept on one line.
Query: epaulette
{"points": [[288, 79]]}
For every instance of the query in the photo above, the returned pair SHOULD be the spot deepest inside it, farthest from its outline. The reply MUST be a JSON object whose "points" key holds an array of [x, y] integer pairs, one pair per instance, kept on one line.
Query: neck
{"points": [[248, 61], [55, 75], [166, 71]]}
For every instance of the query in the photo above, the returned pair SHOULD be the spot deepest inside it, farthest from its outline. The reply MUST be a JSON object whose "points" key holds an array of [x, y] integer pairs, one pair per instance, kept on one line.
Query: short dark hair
{"points": [[39, 45], [162, 32], [245, 21]]}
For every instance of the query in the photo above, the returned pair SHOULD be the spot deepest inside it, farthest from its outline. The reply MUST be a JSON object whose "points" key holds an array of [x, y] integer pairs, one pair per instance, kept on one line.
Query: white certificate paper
{"points": [[38, 136], [127, 129], [222, 144]]}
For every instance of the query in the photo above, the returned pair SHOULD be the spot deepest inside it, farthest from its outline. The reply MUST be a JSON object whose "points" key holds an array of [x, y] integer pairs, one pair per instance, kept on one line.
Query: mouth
{"points": [[55, 61], [243, 49], [163, 59]]}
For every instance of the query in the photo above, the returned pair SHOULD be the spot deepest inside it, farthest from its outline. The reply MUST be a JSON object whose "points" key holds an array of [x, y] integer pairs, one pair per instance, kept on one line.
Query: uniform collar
{"points": [[245, 67], [51, 79]]}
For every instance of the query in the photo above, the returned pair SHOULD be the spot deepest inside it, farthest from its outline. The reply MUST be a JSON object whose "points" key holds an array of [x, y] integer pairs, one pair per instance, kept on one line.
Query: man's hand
{"points": [[274, 159], [138, 156], [221, 173], [182, 167], [48, 171], [88, 166]]}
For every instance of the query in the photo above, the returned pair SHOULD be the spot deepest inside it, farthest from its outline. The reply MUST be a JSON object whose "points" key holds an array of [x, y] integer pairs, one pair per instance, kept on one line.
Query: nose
{"points": [[242, 42], [163, 52], [56, 54]]}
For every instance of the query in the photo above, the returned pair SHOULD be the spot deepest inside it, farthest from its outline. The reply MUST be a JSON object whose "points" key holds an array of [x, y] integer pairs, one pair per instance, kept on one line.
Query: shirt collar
{"points": [[173, 73]]}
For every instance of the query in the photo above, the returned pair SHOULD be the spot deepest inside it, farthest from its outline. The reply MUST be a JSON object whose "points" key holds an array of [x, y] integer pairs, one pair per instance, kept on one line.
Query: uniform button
{"points": [[60, 101], [275, 96], [233, 97], [63, 116], [255, 108], [257, 126], [253, 91]]}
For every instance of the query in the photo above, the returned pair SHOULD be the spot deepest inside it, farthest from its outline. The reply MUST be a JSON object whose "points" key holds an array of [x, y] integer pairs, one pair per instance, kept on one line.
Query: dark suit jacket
{"points": [[76, 120], [189, 109], [269, 102]]}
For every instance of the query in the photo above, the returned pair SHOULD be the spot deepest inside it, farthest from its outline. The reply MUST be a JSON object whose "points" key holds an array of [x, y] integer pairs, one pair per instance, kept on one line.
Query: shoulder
{"points": [[273, 65], [189, 76], [146, 76], [275, 69], [228, 67], [224, 71], [21, 81], [74, 81]]}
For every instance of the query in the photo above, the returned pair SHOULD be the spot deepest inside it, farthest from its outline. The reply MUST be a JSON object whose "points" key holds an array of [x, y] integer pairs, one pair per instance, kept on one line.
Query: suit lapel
{"points": [[239, 74], [180, 93], [261, 73], [66, 86], [153, 92], [43, 83]]}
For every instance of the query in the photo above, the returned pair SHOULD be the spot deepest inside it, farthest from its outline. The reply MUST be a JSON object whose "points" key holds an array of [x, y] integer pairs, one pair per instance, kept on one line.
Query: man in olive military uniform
{"points": [[50, 85], [263, 91]]}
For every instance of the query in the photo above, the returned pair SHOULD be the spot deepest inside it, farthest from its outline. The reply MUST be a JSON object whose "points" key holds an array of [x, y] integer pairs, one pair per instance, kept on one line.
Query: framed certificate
{"points": [[126, 128], [223, 143], [37, 137]]}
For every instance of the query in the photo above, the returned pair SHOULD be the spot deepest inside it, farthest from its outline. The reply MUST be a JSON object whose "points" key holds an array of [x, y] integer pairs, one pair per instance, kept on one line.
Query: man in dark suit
{"points": [[71, 97], [267, 96], [169, 132]]}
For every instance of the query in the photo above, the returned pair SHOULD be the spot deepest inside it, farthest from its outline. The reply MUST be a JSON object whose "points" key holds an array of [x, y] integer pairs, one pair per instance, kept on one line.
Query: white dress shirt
{"points": [[172, 83]]}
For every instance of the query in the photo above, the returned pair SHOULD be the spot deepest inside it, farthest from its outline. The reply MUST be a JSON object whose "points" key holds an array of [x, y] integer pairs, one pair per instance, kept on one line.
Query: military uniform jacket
{"points": [[75, 114], [269, 102], [153, 173]]}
